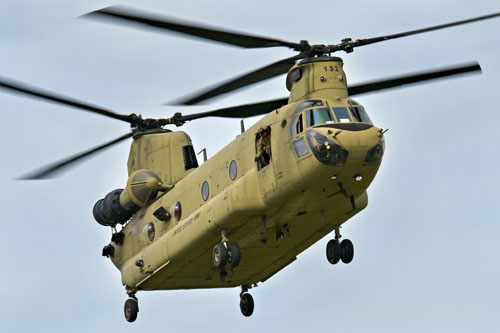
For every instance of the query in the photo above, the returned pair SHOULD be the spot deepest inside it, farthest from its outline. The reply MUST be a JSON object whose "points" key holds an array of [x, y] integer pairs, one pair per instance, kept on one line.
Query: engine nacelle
{"points": [[119, 205]]}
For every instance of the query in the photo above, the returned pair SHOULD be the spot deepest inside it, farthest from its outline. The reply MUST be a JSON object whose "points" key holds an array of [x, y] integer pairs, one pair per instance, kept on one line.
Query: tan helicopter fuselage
{"points": [[297, 193]]}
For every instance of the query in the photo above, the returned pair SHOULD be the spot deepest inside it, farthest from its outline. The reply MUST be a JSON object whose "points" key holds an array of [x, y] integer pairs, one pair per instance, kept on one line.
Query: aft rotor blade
{"points": [[155, 21], [53, 169], [240, 111], [412, 79], [261, 74], [367, 41], [34, 92]]}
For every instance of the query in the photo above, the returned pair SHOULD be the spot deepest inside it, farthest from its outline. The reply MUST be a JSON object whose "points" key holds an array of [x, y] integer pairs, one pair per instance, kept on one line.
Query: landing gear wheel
{"points": [[130, 309], [246, 304], [233, 255], [219, 255], [347, 251], [333, 251]]}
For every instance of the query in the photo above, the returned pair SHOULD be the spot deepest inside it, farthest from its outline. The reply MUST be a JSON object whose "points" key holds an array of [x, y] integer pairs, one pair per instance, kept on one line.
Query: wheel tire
{"points": [[130, 310], [333, 251], [347, 251], [233, 255], [246, 305], [219, 255]]}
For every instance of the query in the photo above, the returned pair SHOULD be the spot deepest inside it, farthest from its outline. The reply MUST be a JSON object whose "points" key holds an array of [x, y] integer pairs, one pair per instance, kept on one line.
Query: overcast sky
{"points": [[426, 247]]}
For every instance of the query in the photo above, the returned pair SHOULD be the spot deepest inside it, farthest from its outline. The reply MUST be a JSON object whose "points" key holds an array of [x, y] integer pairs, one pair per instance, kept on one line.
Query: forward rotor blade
{"points": [[53, 169], [240, 111], [412, 79], [261, 74], [155, 21], [255, 109], [34, 92], [367, 41]]}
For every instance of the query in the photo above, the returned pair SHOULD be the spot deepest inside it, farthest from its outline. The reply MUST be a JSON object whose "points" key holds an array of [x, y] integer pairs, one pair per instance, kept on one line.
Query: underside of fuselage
{"points": [[262, 253]]}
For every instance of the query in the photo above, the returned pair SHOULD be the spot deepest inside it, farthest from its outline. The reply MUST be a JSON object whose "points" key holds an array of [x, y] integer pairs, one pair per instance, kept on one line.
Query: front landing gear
{"points": [[246, 302], [336, 251]]}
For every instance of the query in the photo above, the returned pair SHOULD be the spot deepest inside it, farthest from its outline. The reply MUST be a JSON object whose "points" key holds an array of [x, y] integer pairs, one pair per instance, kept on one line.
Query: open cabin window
{"points": [[263, 153]]}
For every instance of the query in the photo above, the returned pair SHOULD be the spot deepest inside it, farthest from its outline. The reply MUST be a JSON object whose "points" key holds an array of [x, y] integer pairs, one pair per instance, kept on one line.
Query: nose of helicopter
{"points": [[352, 146]]}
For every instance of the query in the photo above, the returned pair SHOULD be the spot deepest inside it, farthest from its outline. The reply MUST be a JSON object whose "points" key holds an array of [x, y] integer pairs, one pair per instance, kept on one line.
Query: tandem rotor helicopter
{"points": [[246, 213]]}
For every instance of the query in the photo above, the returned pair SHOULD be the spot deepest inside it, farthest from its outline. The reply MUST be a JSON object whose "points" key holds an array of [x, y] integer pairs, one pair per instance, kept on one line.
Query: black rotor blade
{"points": [[34, 92], [53, 169], [412, 79], [255, 109], [150, 20], [261, 74], [240, 111], [367, 41]]}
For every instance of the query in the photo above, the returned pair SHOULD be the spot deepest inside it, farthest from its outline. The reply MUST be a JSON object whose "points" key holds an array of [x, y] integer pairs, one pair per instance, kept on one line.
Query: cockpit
{"points": [[316, 112]]}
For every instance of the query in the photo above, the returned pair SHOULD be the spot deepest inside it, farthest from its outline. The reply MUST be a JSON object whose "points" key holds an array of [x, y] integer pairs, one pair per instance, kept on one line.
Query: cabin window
{"points": [[190, 160], [205, 190], [151, 231], [342, 115], [318, 116], [233, 170], [300, 147], [177, 211]]}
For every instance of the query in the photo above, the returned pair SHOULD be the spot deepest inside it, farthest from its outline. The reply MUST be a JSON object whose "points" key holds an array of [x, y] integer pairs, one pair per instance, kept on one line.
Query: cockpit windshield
{"points": [[318, 116], [342, 115], [316, 112]]}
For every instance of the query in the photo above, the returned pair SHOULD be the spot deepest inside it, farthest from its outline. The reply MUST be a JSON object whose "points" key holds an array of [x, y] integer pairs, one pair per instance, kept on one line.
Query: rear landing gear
{"points": [[131, 309], [246, 302]]}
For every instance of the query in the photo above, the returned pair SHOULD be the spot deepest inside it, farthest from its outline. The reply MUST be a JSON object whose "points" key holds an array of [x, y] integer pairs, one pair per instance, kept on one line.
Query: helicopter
{"points": [[221, 193]]}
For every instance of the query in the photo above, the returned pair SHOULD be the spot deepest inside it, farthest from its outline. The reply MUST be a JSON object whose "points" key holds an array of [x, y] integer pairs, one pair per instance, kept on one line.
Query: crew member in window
{"points": [[264, 149]]}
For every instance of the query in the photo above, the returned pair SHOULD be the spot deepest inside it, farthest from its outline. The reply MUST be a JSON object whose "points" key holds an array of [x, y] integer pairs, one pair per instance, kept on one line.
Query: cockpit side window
{"points": [[360, 114], [296, 126], [299, 127], [318, 116]]}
